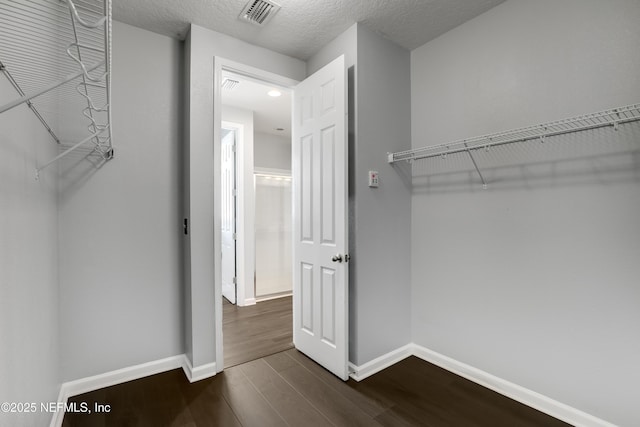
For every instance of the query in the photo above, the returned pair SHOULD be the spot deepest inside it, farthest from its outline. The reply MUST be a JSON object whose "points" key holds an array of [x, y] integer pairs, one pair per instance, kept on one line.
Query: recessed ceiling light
{"points": [[274, 92]]}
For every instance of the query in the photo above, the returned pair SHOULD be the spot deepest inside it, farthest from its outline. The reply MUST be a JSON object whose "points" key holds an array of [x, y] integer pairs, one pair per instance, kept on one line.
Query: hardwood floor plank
{"points": [[393, 418], [348, 390], [256, 331], [426, 391], [207, 405], [280, 361], [340, 411], [287, 401], [251, 408]]}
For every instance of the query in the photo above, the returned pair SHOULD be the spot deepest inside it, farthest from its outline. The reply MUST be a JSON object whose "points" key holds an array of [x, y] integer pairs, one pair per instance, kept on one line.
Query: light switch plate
{"points": [[373, 179]]}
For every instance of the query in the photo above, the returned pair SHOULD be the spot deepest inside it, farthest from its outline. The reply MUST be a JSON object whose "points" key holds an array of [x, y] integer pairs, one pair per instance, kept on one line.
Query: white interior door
{"points": [[228, 216], [320, 276]]}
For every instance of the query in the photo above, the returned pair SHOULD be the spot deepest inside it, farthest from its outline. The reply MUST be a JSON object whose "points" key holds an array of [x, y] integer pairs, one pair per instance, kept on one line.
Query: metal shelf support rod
{"points": [[484, 183], [29, 103], [29, 97], [67, 151]]}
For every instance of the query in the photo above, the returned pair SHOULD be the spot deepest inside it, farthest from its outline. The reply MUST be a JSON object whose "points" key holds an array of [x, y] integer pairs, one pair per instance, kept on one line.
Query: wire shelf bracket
{"points": [[44, 38], [33, 108], [613, 118]]}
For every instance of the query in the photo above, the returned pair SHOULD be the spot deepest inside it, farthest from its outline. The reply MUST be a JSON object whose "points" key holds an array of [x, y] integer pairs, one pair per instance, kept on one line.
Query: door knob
{"points": [[337, 258]]}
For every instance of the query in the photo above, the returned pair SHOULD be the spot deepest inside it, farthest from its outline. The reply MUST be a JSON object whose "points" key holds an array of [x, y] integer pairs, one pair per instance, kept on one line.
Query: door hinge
{"points": [[235, 280], [235, 236], [235, 192], [233, 148]]}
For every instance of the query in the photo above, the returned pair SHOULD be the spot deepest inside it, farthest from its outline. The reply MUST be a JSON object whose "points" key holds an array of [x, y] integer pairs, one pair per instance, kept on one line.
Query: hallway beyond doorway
{"points": [[256, 331]]}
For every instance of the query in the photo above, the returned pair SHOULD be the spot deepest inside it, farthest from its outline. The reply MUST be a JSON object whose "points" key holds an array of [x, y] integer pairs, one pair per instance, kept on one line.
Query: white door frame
{"points": [[239, 211], [220, 65]]}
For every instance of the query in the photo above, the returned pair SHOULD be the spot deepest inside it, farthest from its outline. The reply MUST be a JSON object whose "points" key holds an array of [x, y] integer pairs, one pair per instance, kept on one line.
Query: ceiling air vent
{"points": [[259, 12], [229, 84]]}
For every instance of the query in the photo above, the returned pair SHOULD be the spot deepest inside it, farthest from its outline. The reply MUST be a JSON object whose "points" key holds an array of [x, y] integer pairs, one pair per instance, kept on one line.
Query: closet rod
{"points": [[27, 98], [613, 117], [29, 103], [68, 150]]}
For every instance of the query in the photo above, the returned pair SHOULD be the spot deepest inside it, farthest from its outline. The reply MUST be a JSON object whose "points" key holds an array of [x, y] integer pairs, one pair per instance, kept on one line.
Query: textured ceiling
{"points": [[302, 27]]}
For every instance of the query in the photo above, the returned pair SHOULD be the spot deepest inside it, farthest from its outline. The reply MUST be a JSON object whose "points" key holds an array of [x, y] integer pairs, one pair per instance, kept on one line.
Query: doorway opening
{"points": [[256, 218]]}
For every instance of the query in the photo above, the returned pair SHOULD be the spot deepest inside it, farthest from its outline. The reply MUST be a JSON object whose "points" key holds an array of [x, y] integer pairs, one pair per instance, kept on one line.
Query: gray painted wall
{"points": [[345, 44], [534, 280], [120, 260], [29, 345], [271, 151], [380, 115], [382, 258]]}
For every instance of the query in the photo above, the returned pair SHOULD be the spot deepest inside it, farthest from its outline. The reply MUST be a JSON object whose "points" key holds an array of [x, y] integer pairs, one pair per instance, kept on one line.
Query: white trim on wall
{"points": [[378, 364], [513, 391], [119, 376], [199, 373]]}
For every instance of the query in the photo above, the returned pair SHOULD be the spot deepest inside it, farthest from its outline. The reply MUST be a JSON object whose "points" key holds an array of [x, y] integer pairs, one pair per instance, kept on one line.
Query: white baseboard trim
{"points": [[513, 391], [246, 302], [273, 296], [119, 376], [520, 394], [359, 373], [198, 373], [58, 416]]}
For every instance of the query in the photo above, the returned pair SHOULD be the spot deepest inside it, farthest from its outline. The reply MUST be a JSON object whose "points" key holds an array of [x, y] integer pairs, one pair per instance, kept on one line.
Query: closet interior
{"points": [[57, 56]]}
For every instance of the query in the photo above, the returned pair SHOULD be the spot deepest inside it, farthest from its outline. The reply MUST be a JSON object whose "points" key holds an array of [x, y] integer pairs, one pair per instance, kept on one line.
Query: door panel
{"points": [[328, 185], [319, 150], [328, 305]]}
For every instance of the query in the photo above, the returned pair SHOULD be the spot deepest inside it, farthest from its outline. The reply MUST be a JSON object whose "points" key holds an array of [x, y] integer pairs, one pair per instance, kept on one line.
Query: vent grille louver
{"points": [[259, 12], [229, 84]]}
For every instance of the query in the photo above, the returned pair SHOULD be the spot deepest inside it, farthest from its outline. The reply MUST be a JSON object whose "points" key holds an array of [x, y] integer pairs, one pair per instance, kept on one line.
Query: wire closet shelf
{"points": [[613, 118], [57, 56]]}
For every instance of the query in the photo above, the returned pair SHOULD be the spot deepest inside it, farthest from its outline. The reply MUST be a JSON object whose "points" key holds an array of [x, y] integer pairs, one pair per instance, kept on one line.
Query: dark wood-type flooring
{"points": [[256, 331], [288, 389]]}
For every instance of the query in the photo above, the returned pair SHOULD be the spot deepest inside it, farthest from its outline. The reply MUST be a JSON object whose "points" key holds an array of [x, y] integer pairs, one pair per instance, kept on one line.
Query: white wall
{"points": [[29, 346], [271, 151], [379, 272], [202, 244], [534, 280], [273, 235], [120, 259]]}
